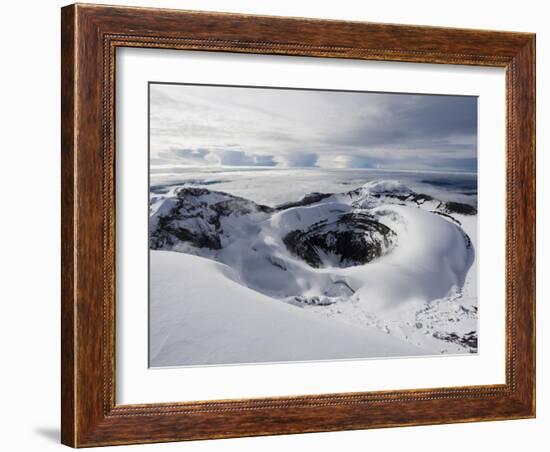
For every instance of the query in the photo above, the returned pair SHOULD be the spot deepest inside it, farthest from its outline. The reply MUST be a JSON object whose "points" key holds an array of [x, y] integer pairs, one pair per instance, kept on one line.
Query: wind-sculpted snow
{"points": [[376, 256]]}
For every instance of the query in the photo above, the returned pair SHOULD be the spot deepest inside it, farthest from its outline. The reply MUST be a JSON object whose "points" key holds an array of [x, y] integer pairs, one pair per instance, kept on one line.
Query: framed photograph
{"points": [[281, 225]]}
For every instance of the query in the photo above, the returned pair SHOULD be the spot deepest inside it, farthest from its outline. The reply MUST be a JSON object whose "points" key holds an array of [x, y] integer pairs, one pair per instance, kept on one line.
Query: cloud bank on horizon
{"points": [[194, 125]]}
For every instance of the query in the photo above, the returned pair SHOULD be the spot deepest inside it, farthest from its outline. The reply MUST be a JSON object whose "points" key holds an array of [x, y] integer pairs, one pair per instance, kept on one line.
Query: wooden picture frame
{"points": [[90, 35]]}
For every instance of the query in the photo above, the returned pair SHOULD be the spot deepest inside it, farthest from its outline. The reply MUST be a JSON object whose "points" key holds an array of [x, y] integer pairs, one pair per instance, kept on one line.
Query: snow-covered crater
{"points": [[368, 256]]}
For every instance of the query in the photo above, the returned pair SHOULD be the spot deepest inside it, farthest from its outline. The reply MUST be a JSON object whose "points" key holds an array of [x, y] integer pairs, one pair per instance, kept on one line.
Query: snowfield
{"points": [[380, 270], [211, 318]]}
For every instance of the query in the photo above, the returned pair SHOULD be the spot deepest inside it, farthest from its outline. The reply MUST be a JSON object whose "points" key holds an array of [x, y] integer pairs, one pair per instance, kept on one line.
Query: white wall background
{"points": [[29, 314]]}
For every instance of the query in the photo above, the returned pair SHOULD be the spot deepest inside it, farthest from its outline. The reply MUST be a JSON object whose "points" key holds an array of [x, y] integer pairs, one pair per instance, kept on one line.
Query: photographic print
{"points": [[301, 225]]}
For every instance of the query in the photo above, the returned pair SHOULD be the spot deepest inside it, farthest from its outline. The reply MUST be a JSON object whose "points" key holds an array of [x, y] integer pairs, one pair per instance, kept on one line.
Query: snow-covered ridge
{"points": [[368, 256]]}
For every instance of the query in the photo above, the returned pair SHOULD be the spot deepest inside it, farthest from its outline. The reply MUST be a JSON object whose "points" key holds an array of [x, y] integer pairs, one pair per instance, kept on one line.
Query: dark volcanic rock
{"points": [[458, 207], [307, 200], [469, 340], [196, 216], [351, 239]]}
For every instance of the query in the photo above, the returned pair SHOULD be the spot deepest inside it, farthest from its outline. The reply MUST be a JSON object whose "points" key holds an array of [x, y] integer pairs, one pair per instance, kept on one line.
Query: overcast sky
{"points": [[230, 126]]}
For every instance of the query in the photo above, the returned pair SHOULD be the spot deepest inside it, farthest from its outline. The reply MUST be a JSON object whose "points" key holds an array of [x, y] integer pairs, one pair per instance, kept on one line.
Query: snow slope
{"points": [[211, 318]]}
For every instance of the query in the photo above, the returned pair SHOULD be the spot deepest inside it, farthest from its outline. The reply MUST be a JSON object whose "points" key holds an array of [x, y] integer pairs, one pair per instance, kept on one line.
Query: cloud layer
{"points": [[232, 126]]}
